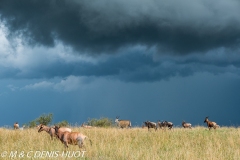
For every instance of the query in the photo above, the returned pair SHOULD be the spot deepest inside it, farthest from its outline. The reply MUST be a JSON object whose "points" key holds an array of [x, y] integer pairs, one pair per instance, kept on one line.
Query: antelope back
{"points": [[124, 123]]}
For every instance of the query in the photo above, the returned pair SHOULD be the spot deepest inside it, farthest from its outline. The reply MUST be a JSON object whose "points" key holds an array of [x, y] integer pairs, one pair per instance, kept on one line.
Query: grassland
{"points": [[126, 144]]}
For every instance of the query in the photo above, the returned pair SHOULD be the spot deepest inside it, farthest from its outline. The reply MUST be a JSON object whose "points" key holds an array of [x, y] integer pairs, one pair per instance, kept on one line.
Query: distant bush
{"points": [[63, 123], [31, 124], [102, 122], [43, 119]]}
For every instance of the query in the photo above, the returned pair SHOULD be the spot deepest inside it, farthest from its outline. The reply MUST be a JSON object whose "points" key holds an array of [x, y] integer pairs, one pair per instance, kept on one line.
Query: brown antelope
{"points": [[160, 124], [16, 125], [186, 125], [151, 125], [165, 124], [50, 130], [123, 123], [210, 124], [73, 138]]}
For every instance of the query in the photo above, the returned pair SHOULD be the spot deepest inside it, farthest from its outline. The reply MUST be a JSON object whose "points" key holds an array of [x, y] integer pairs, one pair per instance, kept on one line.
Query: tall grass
{"points": [[130, 144]]}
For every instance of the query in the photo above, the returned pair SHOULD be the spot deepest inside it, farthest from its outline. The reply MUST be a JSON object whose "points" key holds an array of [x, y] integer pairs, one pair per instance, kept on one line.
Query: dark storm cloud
{"points": [[106, 26], [131, 67]]}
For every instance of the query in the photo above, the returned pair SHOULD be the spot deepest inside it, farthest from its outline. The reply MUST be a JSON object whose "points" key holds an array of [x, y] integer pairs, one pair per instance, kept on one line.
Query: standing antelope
{"points": [[151, 125], [186, 125], [123, 123], [160, 124], [165, 124], [51, 131], [16, 125], [73, 138], [210, 124]]}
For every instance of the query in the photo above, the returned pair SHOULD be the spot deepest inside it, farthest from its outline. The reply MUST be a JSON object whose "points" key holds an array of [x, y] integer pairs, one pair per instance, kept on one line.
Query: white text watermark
{"points": [[41, 154]]}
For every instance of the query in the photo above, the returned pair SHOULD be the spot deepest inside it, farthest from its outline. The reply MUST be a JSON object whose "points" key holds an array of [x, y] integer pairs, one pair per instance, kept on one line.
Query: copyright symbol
{"points": [[4, 154]]}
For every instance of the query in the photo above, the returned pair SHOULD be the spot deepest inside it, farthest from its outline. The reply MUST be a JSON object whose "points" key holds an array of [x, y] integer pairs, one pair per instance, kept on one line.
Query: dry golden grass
{"points": [[128, 144]]}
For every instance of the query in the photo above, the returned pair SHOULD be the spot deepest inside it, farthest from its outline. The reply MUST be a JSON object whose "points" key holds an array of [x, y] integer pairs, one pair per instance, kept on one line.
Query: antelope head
{"points": [[206, 120], [116, 120]]}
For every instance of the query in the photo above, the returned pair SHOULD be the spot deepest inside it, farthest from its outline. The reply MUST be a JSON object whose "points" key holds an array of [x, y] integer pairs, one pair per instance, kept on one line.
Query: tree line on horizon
{"points": [[46, 119]]}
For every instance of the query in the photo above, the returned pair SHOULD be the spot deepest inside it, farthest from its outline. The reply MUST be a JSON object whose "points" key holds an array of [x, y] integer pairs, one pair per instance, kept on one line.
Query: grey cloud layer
{"points": [[106, 26], [131, 67]]}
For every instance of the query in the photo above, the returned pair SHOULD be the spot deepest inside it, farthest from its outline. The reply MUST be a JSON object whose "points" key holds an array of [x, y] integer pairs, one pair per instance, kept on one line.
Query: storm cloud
{"points": [[81, 59], [139, 64], [94, 27]]}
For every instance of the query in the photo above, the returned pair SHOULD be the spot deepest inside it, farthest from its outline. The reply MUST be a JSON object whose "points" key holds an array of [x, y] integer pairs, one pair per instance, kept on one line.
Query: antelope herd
{"points": [[162, 125], [122, 124], [66, 136]]}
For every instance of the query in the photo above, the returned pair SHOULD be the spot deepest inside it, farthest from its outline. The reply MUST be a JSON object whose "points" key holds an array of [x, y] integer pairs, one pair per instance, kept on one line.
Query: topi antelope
{"points": [[73, 138], [210, 124], [186, 125], [165, 124], [51, 131], [160, 124], [151, 125], [16, 125], [122, 123]]}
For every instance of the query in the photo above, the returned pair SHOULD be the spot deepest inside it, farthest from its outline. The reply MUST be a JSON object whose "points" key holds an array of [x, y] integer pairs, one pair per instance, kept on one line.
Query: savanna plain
{"points": [[197, 143]]}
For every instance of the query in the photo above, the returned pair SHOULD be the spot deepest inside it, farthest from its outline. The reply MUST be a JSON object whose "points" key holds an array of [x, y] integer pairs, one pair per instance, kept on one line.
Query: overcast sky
{"points": [[140, 60]]}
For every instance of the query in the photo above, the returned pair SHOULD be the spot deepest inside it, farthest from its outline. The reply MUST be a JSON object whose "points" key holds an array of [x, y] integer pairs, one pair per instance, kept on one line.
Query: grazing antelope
{"points": [[123, 123], [73, 138], [16, 125], [51, 131], [210, 124], [186, 125], [86, 126], [165, 124], [150, 125]]}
